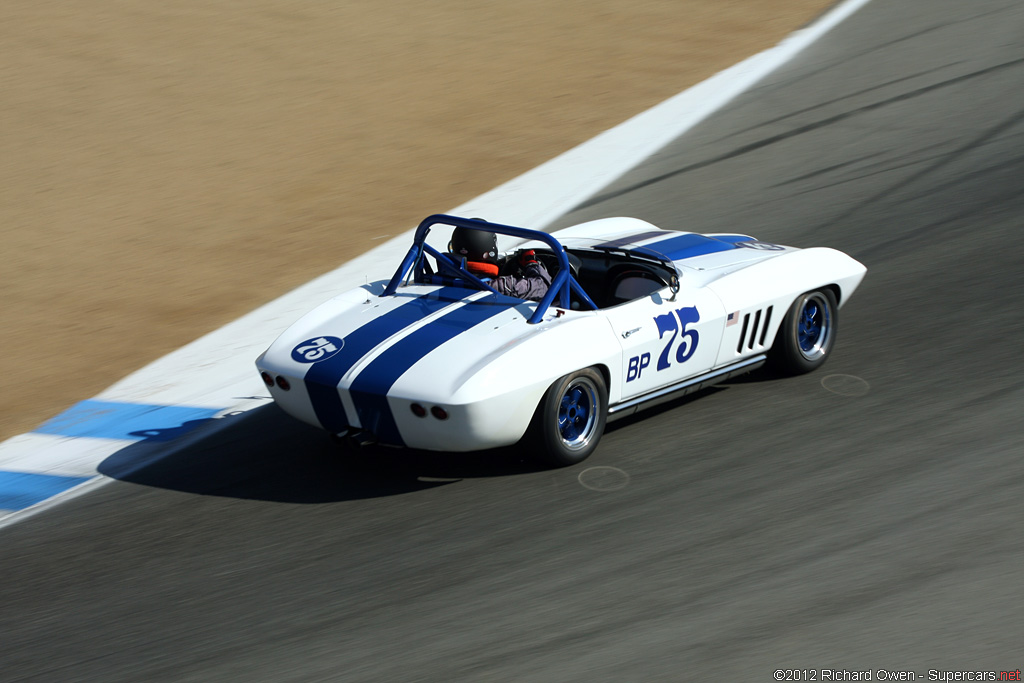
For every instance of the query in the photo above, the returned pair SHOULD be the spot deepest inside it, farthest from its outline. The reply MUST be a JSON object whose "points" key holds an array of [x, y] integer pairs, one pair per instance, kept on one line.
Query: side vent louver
{"points": [[743, 333], [767, 322], [754, 338]]}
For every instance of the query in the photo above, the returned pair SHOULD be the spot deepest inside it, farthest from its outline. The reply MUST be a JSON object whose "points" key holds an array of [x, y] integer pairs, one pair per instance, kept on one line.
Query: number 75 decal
{"points": [[675, 323]]}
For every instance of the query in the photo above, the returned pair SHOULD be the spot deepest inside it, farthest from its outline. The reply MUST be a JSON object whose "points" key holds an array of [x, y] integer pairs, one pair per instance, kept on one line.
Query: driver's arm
{"points": [[532, 284]]}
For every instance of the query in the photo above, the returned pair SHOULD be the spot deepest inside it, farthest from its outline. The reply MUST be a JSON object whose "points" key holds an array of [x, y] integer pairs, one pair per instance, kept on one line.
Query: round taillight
{"points": [[418, 410], [267, 379], [439, 412], [283, 383]]}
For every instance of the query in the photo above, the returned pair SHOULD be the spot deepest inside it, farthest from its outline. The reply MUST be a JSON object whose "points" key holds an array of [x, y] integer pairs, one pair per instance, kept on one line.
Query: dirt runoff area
{"points": [[166, 167]]}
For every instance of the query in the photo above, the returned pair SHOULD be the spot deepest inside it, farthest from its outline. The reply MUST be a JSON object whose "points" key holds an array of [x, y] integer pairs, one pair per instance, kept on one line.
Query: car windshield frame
{"points": [[630, 250], [563, 285]]}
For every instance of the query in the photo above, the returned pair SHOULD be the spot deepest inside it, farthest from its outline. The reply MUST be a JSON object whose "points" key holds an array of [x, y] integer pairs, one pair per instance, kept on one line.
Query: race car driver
{"points": [[530, 280]]}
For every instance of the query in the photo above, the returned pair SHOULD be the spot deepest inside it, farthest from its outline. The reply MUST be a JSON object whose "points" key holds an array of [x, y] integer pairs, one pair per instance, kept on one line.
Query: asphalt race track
{"points": [[867, 516]]}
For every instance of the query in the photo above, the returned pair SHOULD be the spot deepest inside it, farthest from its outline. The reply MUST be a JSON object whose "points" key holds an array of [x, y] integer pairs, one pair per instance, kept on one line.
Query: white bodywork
{"points": [[360, 361]]}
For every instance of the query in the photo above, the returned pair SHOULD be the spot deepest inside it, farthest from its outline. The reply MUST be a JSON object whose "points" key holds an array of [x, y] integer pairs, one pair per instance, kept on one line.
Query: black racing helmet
{"points": [[474, 245]]}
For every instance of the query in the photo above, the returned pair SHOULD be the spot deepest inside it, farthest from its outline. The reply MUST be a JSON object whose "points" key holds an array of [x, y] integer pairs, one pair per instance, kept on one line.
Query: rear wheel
{"points": [[808, 332], [570, 419]]}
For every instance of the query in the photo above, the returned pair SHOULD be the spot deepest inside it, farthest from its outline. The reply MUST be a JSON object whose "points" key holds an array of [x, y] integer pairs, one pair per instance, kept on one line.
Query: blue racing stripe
{"points": [[629, 240], [19, 490], [322, 378], [370, 388], [732, 239], [688, 246]]}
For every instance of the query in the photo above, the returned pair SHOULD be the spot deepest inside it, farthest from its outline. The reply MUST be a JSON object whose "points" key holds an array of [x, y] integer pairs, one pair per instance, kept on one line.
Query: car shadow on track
{"points": [[765, 373], [762, 374], [263, 454]]}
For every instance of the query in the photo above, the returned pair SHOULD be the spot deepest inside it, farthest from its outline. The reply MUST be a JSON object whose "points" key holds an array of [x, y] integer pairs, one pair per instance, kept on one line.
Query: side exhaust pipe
{"points": [[354, 438]]}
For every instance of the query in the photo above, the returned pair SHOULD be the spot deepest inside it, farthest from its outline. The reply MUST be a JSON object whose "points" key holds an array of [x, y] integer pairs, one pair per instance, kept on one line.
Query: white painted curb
{"points": [[216, 372]]}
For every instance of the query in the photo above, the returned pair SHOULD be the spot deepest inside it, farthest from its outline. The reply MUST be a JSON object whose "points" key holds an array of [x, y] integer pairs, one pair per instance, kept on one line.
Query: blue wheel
{"points": [[808, 332], [814, 326], [571, 417], [577, 413]]}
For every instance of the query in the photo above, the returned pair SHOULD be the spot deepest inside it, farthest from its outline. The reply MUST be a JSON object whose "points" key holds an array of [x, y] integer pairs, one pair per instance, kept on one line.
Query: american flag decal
{"points": [[732, 319]]}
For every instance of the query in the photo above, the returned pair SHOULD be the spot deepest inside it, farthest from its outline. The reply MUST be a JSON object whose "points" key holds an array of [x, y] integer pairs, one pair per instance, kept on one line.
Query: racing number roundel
{"points": [[317, 349]]}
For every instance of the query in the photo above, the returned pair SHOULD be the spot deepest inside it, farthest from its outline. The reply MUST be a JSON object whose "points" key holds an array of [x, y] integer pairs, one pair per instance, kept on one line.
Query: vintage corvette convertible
{"points": [[436, 359]]}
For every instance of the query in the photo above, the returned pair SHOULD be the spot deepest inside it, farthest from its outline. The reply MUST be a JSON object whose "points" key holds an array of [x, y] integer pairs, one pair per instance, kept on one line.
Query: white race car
{"points": [[437, 359]]}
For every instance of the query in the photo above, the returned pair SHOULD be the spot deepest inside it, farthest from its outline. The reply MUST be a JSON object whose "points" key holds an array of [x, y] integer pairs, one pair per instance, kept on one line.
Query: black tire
{"points": [[570, 419], [808, 333]]}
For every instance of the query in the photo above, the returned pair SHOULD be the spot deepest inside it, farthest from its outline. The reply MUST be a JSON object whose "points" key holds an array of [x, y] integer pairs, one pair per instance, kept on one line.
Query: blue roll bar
{"points": [[562, 285]]}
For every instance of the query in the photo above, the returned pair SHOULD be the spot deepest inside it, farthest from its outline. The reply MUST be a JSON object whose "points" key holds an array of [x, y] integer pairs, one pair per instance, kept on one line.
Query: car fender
{"points": [[491, 397], [757, 297]]}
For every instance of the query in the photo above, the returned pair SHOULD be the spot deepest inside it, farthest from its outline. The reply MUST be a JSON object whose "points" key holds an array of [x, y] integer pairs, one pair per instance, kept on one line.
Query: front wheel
{"points": [[570, 419], [808, 332]]}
